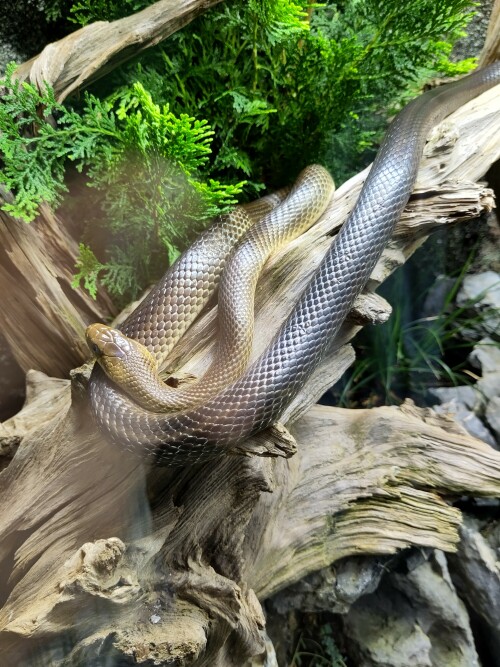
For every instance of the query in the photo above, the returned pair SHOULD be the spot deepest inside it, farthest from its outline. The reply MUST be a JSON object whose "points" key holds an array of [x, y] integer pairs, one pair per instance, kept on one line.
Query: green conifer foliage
{"points": [[240, 99]]}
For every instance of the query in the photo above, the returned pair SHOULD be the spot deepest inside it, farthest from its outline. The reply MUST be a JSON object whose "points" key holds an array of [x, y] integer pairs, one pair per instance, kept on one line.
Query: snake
{"points": [[256, 398], [261, 230]]}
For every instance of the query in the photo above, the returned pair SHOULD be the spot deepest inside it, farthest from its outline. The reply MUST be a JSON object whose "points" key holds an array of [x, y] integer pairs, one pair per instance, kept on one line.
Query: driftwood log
{"points": [[89, 53], [102, 560]]}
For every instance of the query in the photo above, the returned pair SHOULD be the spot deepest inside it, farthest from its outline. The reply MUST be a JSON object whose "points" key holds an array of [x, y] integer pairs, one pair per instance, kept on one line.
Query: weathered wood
{"points": [[44, 398], [491, 48], [42, 317], [367, 481], [91, 52], [174, 571]]}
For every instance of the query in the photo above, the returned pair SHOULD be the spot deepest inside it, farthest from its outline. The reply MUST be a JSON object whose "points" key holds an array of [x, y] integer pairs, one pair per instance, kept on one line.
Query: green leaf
{"points": [[89, 268]]}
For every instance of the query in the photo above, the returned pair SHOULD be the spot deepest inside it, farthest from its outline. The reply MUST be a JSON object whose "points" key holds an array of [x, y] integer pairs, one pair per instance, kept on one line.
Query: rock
{"points": [[466, 395], [382, 635], [436, 296], [413, 619], [480, 294], [7, 54], [489, 386], [472, 42], [476, 572], [24, 30], [493, 416], [486, 356], [467, 419], [466, 404], [332, 589]]}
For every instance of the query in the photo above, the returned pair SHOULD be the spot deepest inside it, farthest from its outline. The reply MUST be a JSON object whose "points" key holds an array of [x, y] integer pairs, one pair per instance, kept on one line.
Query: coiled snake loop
{"points": [[256, 398]]}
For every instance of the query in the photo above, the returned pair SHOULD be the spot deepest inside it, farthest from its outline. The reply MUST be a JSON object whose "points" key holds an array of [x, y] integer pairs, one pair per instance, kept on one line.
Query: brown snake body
{"points": [[260, 394]]}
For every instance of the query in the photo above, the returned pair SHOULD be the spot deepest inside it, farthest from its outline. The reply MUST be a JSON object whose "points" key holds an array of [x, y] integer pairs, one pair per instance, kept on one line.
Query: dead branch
{"points": [[91, 52]]}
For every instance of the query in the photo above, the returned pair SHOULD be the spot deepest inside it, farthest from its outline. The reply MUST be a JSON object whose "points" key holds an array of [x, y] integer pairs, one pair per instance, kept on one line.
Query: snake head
{"points": [[107, 342], [123, 359]]}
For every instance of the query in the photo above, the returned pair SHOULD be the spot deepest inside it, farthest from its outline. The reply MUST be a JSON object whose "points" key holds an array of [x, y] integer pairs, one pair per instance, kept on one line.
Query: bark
{"points": [[101, 559]]}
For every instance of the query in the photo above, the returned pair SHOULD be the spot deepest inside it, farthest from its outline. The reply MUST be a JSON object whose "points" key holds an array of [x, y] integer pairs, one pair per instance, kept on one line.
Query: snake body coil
{"points": [[134, 367], [260, 395]]}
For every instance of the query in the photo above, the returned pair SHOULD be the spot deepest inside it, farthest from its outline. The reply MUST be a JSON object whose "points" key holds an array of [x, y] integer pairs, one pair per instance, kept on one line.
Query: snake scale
{"points": [[259, 395]]}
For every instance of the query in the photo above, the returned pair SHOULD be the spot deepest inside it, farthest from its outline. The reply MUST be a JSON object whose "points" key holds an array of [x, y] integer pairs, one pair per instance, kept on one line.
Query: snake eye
{"points": [[95, 348]]}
